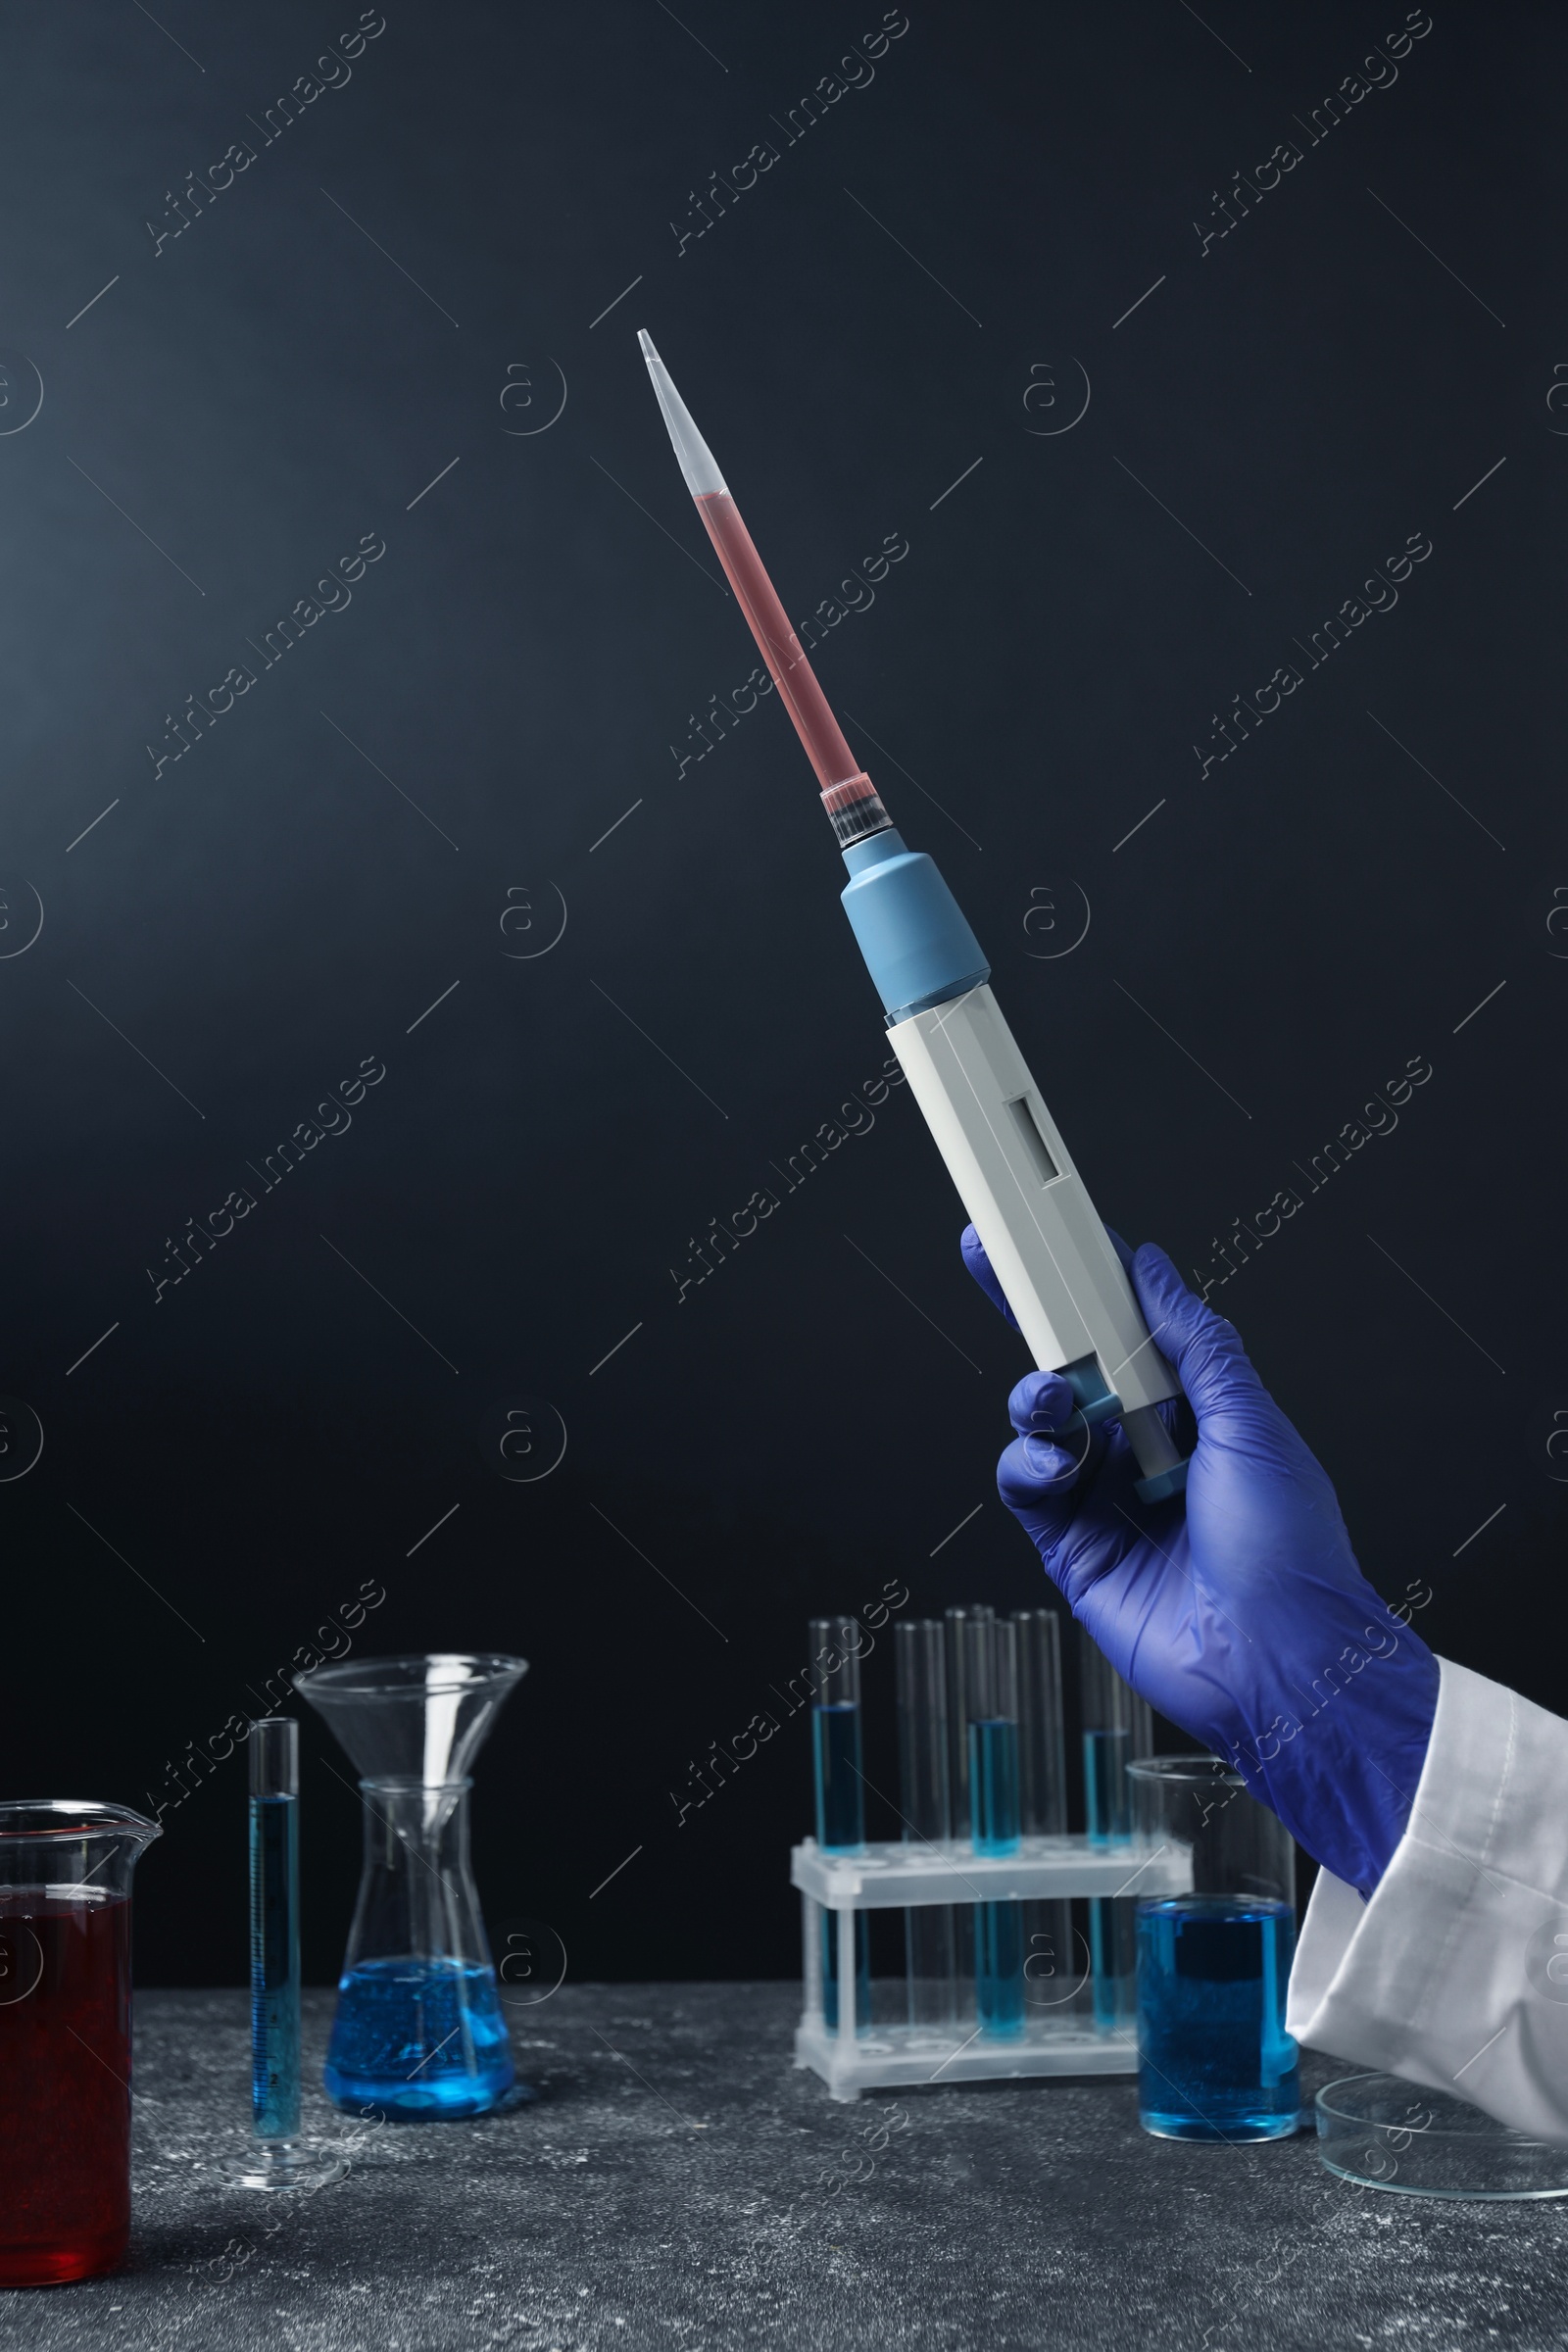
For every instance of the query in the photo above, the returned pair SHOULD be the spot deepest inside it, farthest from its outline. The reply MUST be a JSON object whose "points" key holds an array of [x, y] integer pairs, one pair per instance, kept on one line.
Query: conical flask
{"points": [[418, 2030]]}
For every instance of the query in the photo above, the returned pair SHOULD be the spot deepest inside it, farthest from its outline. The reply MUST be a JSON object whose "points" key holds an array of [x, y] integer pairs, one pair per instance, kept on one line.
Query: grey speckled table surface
{"points": [[677, 2184]]}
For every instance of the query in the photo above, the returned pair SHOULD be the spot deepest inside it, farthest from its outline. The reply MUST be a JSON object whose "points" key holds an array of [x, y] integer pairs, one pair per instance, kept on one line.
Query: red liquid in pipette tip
{"points": [[65, 2086], [781, 649]]}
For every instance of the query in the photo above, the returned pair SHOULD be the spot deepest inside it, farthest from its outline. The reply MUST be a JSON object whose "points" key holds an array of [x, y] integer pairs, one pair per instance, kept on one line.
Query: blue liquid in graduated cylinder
{"points": [[274, 1967], [419, 2037], [998, 1927], [1107, 1807], [1214, 2061], [841, 1824]]}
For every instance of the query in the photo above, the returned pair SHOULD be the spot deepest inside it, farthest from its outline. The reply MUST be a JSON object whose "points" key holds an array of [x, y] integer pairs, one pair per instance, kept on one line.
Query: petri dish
{"points": [[1384, 2132]]}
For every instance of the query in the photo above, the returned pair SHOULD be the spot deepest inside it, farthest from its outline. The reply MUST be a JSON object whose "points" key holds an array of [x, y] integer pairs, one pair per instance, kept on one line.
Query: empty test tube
{"points": [[992, 1691], [1117, 1726], [956, 1620], [1052, 1973], [958, 1670], [840, 1785], [918, 1651]]}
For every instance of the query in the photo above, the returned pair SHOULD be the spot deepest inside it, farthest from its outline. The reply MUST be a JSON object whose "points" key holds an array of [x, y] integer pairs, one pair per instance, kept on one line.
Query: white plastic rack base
{"points": [[859, 2056]]}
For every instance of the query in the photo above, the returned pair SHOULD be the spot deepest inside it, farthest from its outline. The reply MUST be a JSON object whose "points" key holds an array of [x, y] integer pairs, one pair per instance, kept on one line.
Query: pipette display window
{"points": [[1023, 1117]]}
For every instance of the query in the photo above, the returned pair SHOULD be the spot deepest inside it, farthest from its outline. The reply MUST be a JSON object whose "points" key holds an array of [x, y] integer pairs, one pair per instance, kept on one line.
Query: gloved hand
{"points": [[1238, 1609]]}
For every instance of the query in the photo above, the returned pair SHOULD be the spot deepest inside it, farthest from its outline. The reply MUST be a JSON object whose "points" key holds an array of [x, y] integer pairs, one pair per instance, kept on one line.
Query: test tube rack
{"points": [[861, 2056]]}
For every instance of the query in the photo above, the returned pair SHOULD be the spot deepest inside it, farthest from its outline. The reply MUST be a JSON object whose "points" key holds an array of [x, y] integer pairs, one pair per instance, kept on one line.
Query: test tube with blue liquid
{"points": [[279, 2157], [1214, 2061], [840, 1789], [1117, 1727], [991, 1662]]}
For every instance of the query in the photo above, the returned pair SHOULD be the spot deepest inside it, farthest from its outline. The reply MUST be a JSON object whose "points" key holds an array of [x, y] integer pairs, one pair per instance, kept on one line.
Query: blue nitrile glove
{"points": [[1237, 1610]]}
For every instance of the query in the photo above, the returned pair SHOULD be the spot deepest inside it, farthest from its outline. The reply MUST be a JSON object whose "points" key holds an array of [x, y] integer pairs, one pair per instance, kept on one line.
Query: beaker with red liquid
{"points": [[65, 2036]]}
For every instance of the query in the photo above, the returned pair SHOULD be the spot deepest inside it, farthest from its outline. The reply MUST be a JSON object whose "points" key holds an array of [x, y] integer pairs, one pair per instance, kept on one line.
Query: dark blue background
{"points": [[253, 396]]}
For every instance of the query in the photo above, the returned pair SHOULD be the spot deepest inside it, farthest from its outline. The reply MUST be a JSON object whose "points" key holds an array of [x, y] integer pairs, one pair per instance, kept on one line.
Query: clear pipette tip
{"points": [[697, 462]]}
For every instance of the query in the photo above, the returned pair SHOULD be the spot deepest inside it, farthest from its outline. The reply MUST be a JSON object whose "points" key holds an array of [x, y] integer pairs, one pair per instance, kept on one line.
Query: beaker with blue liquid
{"points": [[418, 2032], [1214, 2061]]}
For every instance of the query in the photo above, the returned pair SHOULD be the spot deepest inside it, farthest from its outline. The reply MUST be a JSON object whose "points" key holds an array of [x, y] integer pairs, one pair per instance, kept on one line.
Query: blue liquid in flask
{"points": [[998, 1927], [841, 1827], [1214, 2061], [419, 2037]]}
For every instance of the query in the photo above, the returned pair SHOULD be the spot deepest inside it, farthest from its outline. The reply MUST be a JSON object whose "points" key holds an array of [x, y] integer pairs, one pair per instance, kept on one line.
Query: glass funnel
{"points": [[65, 2035], [418, 2030]]}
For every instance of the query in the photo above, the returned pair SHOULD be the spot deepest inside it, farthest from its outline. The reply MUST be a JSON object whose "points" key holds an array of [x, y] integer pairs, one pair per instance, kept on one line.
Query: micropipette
{"points": [[1054, 1258]]}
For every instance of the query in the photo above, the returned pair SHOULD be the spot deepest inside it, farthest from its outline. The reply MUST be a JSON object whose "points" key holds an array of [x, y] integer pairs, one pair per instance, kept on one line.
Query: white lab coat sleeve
{"points": [[1455, 1974]]}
